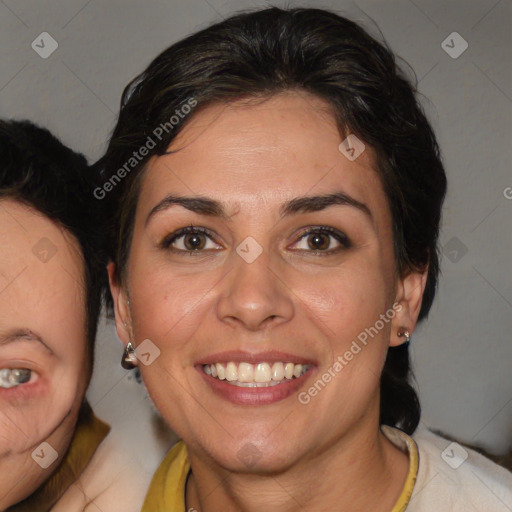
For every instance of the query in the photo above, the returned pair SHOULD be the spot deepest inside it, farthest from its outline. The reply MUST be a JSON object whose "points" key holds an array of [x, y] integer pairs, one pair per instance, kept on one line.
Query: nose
{"points": [[254, 295]]}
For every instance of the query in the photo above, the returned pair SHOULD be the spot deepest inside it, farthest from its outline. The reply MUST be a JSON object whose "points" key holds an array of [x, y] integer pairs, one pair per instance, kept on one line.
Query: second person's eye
{"points": [[11, 377]]}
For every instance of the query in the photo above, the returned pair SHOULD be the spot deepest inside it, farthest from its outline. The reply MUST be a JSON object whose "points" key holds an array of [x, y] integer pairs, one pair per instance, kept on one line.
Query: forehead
{"points": [[46, 258], [248, 152]]}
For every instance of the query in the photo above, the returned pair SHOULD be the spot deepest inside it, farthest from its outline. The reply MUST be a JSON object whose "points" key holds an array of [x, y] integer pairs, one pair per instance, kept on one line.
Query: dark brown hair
{"points": [[262, 53]]}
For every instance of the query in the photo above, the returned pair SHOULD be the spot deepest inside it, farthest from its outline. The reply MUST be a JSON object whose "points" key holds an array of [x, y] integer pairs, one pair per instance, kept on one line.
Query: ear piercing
{"points": [[128, 360], [404, 333]]}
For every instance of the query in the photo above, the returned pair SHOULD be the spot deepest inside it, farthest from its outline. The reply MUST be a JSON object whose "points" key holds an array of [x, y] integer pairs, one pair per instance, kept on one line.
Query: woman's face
{"points": [[42, 334], [264, 284]]}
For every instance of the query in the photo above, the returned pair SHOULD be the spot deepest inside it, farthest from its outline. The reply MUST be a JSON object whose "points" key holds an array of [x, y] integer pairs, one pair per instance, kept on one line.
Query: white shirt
{"points": [[453, 478]]}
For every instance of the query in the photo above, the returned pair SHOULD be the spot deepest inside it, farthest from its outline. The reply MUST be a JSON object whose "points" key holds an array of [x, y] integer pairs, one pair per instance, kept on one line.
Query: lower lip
{"points": [[255, 396]]}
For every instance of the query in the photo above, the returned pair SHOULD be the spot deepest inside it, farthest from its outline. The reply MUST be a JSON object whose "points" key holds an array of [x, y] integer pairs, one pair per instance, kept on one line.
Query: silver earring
{"points": [[404, 333], [128, 359]]}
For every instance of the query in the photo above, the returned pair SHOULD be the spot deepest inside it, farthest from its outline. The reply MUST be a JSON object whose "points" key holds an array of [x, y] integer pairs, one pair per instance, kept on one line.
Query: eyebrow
{"points": [[22, 334], [305, 204]]}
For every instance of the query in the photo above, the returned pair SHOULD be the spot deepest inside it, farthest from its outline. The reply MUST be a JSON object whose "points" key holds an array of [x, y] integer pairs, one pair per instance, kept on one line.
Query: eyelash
{"points": [[338, 235]]}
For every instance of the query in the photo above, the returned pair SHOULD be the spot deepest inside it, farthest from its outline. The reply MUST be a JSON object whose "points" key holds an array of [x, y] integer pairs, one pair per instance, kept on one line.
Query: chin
{"points": [[244, 456]]}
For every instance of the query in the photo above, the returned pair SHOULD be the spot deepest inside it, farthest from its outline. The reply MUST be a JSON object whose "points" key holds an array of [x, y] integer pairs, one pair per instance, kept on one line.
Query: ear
{"points": [[121, 305], [409, 295]]}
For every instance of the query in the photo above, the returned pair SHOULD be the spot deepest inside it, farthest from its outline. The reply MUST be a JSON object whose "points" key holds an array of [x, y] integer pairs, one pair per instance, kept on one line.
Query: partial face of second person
{"points": [[304, 299], [42, 331]]}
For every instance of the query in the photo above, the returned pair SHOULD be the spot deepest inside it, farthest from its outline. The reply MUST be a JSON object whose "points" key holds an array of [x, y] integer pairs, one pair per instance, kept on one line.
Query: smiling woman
{"points": [[54, 453], [281, 243]]}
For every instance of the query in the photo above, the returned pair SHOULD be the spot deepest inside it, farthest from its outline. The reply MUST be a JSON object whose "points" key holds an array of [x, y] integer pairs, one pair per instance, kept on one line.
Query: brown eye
{"points": [[322, 240], [194, 241], [318, 241], [190, 240]]}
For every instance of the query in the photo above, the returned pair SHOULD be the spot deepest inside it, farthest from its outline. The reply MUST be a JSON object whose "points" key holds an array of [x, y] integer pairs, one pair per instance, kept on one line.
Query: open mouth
{"points": [[257, 375]]}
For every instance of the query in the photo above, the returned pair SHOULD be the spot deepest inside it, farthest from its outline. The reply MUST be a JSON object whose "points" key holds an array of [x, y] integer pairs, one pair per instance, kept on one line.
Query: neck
{"points": [[338, 477]]}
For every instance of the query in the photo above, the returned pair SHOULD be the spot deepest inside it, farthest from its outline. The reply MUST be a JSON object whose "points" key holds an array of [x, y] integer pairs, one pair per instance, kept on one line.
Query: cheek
{"points": [[346, 301], [347, 309], [30, 413], [168, 307]]}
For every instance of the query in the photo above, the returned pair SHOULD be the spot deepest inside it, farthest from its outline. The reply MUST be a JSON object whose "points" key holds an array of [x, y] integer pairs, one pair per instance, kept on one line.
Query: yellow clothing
{"points": [[167, 490]]}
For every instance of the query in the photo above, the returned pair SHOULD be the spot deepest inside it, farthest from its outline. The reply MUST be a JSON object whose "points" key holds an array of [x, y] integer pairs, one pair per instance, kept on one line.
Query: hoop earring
{"points": [[128, 359], [404, 333]]}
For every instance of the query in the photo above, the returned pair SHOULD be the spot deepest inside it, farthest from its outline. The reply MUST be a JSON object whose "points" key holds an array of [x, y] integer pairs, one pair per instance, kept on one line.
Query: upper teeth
{"points": [[255, 373], [13, 377]]}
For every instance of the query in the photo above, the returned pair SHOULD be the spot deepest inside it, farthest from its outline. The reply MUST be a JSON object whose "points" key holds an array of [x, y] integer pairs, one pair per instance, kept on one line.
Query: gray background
{"points": [[463, 353]]}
